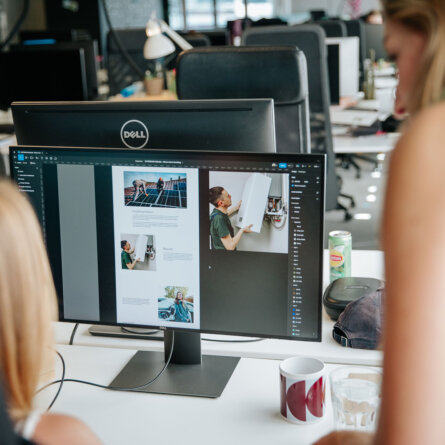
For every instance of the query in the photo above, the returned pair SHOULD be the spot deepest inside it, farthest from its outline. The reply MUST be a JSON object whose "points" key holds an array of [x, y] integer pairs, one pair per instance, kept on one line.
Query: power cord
{"points": [[73, 334], [61, 381], [114, 388], [17, 24]]}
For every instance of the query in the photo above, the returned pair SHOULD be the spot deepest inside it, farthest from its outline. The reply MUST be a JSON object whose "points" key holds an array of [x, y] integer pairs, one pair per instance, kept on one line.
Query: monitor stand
{"points": [[188, 374], [125, 332]]}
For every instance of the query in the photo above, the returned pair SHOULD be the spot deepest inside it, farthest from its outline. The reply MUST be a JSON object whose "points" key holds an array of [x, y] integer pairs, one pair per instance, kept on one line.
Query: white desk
{"points": [[365, 263], [246, 413], [365, 144]]}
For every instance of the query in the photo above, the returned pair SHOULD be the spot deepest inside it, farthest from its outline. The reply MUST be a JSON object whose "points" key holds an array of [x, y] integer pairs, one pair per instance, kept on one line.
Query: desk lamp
{"points": [[158, 45]]}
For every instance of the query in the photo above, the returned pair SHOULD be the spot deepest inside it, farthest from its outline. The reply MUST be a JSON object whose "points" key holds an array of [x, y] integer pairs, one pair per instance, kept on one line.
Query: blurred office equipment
{"points": [[343, 64], [247, 72], [333, 28], [95, 16], [356, 28], [120, 72], [157, 45], [43, 75], [311, 40], [374, 40], [90, 50], [237, 125]]}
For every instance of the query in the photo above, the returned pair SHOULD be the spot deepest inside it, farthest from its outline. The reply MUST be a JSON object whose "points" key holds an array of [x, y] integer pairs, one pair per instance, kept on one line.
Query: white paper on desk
{"points": [[354, 117]]}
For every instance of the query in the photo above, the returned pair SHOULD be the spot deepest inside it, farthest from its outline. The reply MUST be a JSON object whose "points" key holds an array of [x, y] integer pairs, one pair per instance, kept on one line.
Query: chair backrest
{"points": [[277, 72], [356, 28], [333, 28], [311, 40]]}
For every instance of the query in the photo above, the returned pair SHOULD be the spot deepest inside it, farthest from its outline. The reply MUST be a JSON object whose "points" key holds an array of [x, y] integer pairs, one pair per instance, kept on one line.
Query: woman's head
{"points": [[415, 38], [27, 301], [179, 296]]}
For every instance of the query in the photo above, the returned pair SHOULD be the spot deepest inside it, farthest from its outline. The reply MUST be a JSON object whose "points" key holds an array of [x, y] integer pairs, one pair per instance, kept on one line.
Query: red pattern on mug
{"points": [[315, 398], [305, 406], [296, 400]]}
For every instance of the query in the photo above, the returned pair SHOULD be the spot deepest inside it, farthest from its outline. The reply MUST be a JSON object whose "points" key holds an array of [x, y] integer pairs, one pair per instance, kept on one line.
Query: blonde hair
{"points": [[428, 18], [27, 302]]}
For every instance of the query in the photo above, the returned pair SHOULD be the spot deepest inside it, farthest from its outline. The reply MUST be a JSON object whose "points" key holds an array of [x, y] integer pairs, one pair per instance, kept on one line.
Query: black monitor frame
{"points": [[91, 52], [183, 345], [55, 75], [225, 124]]}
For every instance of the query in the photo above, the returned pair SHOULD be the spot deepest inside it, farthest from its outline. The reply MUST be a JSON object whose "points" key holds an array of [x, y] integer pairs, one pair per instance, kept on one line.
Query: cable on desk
{"points": [[17, 25], [115, 388], [73, 334], [61, 381], [234, 341]]}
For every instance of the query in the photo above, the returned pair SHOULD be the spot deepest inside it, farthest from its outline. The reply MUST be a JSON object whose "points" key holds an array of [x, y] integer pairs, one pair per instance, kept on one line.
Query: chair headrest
{"points": [[277, 72]]}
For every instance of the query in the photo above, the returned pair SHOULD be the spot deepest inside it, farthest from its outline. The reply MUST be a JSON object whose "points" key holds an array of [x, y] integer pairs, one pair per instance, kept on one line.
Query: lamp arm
{"points": [[182, 43]]}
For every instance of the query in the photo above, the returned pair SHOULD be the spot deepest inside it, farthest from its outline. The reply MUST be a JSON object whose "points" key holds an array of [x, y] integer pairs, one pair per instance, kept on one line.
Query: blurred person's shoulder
{"points": [[59, 428]]}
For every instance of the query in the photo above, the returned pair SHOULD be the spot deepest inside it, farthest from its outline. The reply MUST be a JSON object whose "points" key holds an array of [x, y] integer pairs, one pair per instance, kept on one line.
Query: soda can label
{"points": [[340, 246]]}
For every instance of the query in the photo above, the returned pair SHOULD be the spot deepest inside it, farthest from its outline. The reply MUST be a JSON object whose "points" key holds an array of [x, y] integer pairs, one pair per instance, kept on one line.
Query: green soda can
{"points": [[340, 246]]}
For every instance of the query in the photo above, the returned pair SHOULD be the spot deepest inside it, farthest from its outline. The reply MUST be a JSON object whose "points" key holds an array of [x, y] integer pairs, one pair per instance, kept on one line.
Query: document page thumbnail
{"points": [[156, 224]]}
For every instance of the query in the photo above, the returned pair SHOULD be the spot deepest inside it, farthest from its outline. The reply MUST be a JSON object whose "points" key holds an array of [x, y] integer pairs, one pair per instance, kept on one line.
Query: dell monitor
{"points": [[229, 124], [134, 241], [42, 75]]}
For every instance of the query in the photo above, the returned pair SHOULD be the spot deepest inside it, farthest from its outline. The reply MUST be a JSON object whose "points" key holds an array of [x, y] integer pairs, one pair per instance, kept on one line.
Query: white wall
{"points": [[270, 239], [332, 7]]}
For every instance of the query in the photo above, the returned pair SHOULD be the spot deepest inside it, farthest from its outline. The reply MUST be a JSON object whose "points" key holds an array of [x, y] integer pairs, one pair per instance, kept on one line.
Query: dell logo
{"points": [[134, 134]]}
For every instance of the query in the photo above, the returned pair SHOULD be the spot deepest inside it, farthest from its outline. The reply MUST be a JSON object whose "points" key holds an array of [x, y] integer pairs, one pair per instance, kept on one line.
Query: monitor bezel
{"points": [[231, 156]]}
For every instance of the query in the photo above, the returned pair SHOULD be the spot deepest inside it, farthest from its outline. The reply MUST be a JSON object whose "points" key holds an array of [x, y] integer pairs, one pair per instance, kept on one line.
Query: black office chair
{"points": [[248, 73], [311, 40], [333, 28]]}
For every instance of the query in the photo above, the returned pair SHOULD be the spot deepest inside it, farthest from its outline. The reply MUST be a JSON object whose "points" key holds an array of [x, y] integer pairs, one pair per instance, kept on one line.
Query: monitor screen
{"points": [[229, 124], [42, 75], [91, 52], [133, 239]]}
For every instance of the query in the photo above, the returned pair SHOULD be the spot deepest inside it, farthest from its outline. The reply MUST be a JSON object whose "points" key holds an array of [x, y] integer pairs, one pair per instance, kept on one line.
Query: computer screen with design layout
{"points": [[215, 242]]}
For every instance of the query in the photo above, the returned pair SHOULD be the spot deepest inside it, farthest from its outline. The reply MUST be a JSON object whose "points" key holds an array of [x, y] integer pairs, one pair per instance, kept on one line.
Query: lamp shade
{"points": [[158, 46]]}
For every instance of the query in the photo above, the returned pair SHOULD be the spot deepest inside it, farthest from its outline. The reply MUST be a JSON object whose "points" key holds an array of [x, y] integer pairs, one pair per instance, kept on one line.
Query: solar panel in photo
{"points": [[173, 196]]}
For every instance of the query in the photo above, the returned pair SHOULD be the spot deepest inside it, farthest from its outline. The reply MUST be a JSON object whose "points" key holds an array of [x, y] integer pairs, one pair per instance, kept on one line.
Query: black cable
{"points": [[61, 381], [119, 44], [234, 341], [73, 334], [17, 25], [113, 388]]}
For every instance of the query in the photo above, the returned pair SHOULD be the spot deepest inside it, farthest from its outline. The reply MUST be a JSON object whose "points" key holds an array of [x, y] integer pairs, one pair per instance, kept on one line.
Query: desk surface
{"points": [[365, 144], [247, 412], [365, 263]]}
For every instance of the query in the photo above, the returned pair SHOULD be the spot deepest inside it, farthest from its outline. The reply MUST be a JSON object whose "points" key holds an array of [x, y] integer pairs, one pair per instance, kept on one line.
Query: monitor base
{"points": [[125, 332], [207, 379]]}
